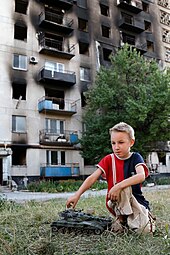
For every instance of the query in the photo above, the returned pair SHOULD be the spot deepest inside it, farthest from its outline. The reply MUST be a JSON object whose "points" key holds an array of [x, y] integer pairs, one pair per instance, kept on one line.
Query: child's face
{"points": [[121, 144]]}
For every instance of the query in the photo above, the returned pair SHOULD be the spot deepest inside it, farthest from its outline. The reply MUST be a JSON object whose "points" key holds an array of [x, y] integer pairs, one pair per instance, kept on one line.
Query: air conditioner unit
{"points": [[33, 60]]}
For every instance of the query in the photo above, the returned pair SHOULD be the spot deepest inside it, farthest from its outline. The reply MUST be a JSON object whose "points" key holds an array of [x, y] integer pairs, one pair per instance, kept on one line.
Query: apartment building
{"points": [[50, 51]]}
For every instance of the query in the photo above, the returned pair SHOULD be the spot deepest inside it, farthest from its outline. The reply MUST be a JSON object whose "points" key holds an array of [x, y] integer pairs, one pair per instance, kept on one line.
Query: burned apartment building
{"points": [[50, 51]]}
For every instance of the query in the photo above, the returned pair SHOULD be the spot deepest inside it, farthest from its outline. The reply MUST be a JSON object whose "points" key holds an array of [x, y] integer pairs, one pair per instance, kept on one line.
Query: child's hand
{"points": [[72, 201], [114, 193]]}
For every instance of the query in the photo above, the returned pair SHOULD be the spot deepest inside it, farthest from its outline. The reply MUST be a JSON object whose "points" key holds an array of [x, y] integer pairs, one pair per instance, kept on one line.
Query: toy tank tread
{"points": [[76, 220]]}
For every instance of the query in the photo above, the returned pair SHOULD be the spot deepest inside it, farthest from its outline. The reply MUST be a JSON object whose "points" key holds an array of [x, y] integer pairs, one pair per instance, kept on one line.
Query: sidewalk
{"points": [[23, 196]]}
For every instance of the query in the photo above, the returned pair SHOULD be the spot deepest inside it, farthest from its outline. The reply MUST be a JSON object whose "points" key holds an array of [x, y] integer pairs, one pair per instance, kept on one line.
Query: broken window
{"points": [[21, 6], [145, 7], [105, 31], [104, 10], [147, 26], [84, 48], [19, 156], [20, 32], [106, 54], [150, 46], [19, 91], [83, 24]]}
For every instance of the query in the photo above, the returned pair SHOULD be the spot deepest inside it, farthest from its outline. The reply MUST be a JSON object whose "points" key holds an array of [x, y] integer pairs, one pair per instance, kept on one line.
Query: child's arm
{"points": [[72, 201], [139, 177]]}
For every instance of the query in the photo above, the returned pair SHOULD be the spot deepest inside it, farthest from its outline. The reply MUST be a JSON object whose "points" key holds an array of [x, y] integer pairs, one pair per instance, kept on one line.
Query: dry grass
{"points": [[25, 230]]}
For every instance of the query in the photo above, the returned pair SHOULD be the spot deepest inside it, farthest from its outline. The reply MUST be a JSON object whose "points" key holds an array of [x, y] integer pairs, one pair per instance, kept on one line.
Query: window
{"points": [[55, 126], [147, 26], [19, 156], [21, 6], [54, 66], [18, 124], [130, 39], [104, 10], [82, 3], [106, 54], [84, 48], [105, 31], [145, 7], [82, 24], [55, 157], [20, 32], [19, 91], [84, 74], [150, 46], [127, 18], [20, 62]]}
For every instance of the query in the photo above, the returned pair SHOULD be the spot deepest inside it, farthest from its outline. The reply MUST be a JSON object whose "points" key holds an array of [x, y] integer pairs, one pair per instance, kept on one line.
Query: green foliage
{"points": [[61, 186], [132, 90]]}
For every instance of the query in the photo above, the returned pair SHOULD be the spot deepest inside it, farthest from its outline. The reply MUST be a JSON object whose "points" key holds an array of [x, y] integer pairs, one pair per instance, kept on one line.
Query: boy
{"points": [[124, 171]]}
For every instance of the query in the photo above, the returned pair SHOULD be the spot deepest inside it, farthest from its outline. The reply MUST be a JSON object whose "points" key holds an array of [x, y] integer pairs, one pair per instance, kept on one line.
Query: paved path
{"points": [[23, 196]]}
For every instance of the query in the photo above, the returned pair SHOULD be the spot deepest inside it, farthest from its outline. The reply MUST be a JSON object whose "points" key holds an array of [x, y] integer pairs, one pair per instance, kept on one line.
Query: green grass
{"points": [[25, 230]]}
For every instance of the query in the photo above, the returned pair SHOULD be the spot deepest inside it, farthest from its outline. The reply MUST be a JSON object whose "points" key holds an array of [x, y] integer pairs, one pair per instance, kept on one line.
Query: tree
{"points": [[132, 90]]}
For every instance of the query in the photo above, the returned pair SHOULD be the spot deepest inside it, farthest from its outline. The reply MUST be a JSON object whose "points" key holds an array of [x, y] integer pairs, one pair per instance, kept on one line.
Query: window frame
{"points": [[16, 124], [21, 58]]}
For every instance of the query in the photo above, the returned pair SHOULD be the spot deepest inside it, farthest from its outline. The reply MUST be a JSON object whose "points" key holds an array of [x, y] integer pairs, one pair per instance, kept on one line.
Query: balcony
{"points": [[140, 47], [54, 137], [63, 4], [57, 105], [55, 22], [131, 6], [132, 25], [62, 78], [54, 47], [67, 170]]}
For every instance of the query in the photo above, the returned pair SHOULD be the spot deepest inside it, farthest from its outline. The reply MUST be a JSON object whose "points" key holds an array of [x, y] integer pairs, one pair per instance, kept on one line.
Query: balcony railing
{"points": [[65, 78], [55, 47], [59, 105], [67, 170], [134, 6], [131, 24], [56, 137], [56, 22]]}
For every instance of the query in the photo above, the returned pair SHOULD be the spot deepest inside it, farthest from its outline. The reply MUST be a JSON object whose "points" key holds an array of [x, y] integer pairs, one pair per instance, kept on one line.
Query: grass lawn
{"points": [[25, 230]]}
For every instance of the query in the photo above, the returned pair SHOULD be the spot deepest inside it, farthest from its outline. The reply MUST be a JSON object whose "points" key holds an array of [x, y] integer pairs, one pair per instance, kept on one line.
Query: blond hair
{"points": [[123, 127]]}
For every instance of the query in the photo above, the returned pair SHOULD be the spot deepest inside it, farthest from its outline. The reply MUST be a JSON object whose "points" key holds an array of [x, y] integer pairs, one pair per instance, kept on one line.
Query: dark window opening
{"points": [[83, 100], [20, 32], [105, 31], [18, 156], [54, 41], [19, 91], [147, 26], [62, 157], [150, 46], [57, 96], [130, 39], [106, 54], [127, 18], [104, 10], [21, 6], [83, 24], [145, 7], [84, 48]]}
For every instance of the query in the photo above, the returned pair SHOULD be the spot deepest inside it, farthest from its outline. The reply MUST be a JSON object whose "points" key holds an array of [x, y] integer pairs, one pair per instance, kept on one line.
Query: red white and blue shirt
{"points": [[125, 168]]}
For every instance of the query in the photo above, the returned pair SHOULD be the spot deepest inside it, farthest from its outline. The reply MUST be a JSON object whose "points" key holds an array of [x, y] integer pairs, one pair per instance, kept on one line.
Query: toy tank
{"points": [[73, 220]]}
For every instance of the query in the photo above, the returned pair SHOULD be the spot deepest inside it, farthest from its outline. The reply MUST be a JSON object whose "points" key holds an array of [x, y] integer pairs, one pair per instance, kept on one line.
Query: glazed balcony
{"points": [[132, 25], [63, 78], [133, 6], [54, 137], [63, 4], [67, 170], [57, 105], [58, 48], [52, 21]]}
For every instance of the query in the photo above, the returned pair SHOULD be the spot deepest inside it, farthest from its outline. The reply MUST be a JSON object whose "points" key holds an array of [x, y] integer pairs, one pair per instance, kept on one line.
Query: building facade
{"points": [[50, 51]]}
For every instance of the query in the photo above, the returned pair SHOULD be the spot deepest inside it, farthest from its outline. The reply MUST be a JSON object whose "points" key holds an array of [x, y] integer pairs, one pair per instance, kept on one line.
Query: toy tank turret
{"points": [[72, 220]]}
